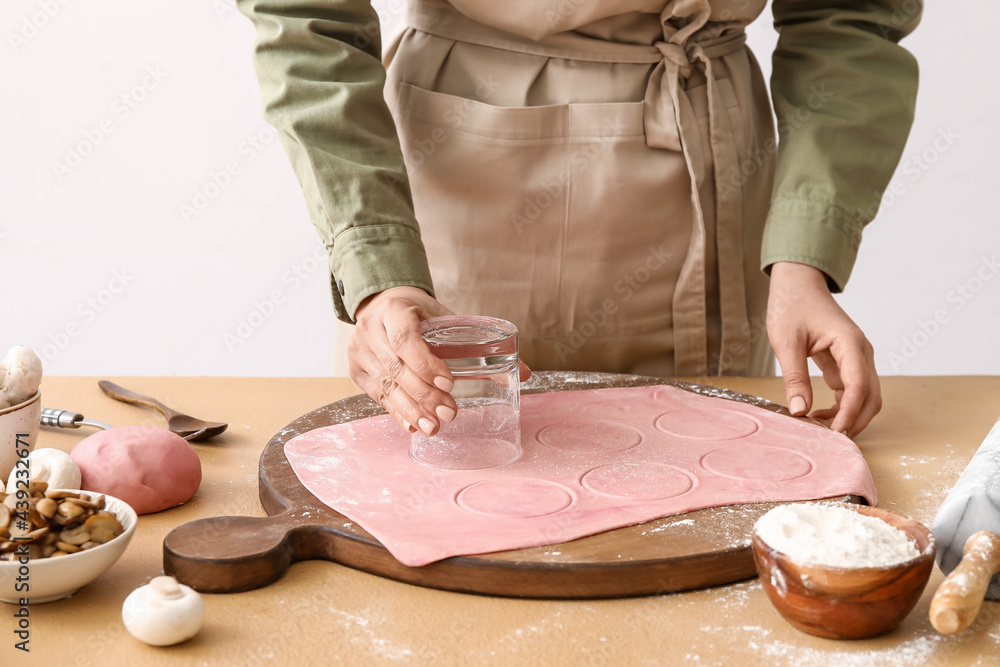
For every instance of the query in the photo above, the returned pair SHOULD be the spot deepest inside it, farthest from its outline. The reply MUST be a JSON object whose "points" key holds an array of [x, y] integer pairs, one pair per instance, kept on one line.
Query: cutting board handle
{"points": [[230, 554]]}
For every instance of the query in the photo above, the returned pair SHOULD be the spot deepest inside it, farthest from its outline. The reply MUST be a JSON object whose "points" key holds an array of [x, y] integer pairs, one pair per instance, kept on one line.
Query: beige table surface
{"points": [[322, 613]]}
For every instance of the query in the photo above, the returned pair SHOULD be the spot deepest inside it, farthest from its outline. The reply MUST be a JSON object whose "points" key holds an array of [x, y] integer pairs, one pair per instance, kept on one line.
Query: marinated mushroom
{"points": [[77, 535], [55, 523], [103, 528], [46, 507], [69, 511]]}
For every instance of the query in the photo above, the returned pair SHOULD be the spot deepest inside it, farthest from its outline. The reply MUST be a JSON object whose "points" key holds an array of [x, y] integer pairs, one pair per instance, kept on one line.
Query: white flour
{"points": [[830, 535]]}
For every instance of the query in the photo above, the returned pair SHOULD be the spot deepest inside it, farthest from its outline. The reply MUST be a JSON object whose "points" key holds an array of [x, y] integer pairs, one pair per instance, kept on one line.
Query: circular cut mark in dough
{"points": [[640, 481], [757, 462], [590, 436], [514, 498], [701, 424]]}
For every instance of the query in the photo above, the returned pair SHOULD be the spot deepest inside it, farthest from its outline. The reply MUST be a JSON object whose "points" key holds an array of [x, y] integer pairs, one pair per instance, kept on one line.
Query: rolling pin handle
{"points": [[957, 601]]}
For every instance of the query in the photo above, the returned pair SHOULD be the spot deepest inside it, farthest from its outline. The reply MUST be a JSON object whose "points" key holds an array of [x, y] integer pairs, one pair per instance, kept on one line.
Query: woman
{"points": [[603, 174]]}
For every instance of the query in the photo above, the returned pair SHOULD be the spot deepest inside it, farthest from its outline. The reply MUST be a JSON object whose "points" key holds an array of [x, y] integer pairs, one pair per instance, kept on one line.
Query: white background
{"points": [[104, 274]]}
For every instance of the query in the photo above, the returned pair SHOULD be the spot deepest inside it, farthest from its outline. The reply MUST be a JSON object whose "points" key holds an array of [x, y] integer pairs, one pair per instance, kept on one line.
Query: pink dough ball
{"points": [[150, 468]]}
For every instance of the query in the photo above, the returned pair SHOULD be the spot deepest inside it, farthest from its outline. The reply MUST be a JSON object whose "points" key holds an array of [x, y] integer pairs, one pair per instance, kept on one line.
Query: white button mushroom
{"points": [[52, 466], [24, 374], [4, 401], [163, 612]]}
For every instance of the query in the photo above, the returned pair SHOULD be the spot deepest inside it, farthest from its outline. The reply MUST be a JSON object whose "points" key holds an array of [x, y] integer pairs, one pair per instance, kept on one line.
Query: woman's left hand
{"points": [[804, 321]]}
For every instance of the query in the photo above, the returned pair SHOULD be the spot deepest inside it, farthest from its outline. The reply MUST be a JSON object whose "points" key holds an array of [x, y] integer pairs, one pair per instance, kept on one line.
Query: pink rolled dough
{"points": [[594, 460], [149, 468]]}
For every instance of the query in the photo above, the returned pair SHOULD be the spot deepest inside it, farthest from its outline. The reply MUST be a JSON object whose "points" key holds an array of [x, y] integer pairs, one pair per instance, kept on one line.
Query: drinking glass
{"points": [[481, 353]]}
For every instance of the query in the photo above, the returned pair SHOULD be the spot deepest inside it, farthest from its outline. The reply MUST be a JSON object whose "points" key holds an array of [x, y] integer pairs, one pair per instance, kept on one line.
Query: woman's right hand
{"points": [[390, 361]]}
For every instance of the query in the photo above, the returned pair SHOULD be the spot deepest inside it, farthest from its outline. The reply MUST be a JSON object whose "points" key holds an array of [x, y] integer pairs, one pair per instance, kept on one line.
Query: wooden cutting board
{"points": [[694, 550]]}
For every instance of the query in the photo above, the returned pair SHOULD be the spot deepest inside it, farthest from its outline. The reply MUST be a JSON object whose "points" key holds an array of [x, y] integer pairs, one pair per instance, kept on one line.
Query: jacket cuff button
{"points": [[340, 287]]}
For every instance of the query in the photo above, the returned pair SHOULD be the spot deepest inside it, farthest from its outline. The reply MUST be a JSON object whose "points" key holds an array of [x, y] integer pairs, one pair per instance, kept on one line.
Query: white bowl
{"points": [[23, 418], [51, 579]]}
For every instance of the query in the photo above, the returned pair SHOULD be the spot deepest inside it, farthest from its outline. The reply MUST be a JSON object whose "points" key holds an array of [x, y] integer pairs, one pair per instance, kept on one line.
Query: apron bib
{"points": [[592, 190]]}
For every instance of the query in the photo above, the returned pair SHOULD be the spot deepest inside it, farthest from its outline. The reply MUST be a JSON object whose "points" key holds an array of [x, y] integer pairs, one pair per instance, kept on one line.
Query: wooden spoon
{"points": [[183, 425]]}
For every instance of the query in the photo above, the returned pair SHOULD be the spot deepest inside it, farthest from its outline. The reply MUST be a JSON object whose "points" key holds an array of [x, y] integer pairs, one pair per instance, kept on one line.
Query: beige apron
{"points": [[596, 173]]}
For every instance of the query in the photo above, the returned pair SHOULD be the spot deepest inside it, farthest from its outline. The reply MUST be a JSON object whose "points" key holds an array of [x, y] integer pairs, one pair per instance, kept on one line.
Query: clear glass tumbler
{"points": [[481, 353]]}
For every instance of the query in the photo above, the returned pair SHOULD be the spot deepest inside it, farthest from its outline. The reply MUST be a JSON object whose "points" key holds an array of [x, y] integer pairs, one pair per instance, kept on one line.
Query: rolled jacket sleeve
{"points": [[844, 94], [321, 80]]}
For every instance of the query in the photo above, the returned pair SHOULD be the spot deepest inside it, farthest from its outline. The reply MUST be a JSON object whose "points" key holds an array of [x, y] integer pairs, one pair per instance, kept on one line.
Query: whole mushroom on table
{"points": [[163, 612]]}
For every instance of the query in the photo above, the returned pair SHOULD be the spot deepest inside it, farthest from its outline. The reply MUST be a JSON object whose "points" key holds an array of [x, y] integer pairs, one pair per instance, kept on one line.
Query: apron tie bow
{"points": [[677, 54], [670, 123], [661, 116]]}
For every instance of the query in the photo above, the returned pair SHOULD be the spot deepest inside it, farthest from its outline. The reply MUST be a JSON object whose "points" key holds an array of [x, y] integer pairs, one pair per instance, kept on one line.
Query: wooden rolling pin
{"points": [[971, 509], [957, 601]]}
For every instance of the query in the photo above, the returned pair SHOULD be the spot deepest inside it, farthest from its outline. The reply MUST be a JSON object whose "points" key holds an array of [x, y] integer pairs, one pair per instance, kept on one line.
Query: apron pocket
{"points": [[548, 216]]}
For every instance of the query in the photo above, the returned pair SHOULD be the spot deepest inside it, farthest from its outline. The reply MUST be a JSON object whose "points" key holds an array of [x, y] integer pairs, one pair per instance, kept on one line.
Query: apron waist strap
{"points": [[451, 24]]}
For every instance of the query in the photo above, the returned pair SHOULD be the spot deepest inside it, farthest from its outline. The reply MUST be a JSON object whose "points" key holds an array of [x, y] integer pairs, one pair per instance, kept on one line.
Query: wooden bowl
{"points": [[847, 603]]}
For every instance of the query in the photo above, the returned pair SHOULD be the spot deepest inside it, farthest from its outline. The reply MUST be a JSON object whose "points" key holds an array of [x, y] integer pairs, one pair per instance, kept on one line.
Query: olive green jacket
{"points": [[322, 79]]}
